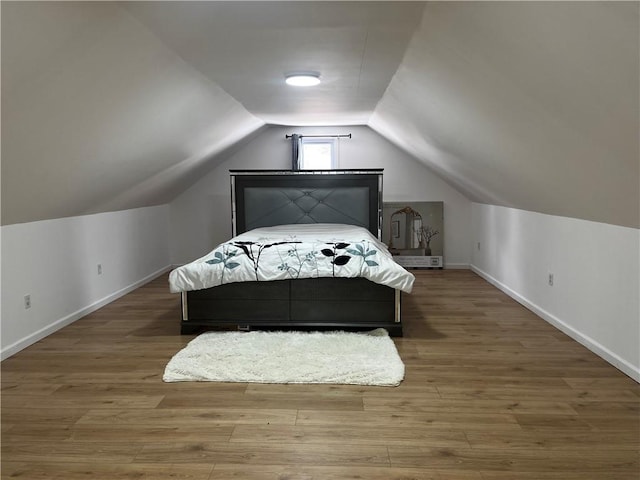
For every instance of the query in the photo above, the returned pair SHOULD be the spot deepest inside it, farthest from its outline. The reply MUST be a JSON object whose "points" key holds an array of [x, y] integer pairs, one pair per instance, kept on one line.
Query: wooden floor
{"points": [[491, 392]]}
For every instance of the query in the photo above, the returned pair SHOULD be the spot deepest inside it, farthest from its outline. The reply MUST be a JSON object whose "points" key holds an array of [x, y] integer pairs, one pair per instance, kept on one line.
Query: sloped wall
{"points": [[99, 115], [531, 105], [201, 216]]}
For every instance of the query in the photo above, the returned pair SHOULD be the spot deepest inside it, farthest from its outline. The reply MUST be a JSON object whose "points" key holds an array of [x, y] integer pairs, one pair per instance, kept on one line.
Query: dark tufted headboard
{"points": [[262, 198]]}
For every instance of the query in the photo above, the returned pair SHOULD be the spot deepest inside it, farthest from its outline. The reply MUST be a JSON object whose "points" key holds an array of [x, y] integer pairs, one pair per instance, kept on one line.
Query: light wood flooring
{"points": [[492, 392]]}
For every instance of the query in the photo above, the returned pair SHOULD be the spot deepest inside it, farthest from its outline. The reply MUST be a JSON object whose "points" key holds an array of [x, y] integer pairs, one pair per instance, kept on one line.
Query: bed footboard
{"points": [[317, 303]]}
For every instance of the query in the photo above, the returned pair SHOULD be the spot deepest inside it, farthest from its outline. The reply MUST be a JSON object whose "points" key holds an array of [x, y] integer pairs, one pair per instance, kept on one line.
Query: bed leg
{"points": [[396, 331], [188, 329]]}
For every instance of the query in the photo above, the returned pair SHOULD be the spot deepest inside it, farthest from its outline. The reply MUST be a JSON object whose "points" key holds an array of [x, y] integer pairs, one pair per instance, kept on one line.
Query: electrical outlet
{"points": [[99, 269], [27, 301], [550, 280]]}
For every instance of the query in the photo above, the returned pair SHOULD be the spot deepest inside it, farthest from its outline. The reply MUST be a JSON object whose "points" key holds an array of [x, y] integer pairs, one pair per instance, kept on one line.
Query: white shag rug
{"points": [[369, 358]]}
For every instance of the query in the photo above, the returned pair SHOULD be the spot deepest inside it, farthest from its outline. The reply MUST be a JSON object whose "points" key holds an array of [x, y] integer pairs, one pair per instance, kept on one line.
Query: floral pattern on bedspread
{"points": [[263, 255]]}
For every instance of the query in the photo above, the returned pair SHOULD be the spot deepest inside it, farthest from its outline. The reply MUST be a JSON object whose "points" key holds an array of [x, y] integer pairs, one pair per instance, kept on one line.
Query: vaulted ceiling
{"points": [[533, 105], [247, 47]]}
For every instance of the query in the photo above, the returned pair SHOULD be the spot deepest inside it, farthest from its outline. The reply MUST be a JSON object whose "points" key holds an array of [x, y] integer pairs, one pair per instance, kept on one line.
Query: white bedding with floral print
{"points": [[294, 251]]}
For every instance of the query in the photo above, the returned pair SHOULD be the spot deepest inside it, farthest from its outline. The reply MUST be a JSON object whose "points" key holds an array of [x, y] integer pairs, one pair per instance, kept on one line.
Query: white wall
{"points": [[201, 218], [596, 293], [55, 261]]}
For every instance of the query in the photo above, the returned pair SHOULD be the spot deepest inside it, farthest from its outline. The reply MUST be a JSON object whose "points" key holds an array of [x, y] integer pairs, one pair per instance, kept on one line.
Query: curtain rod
{"points": [[320, 136]]}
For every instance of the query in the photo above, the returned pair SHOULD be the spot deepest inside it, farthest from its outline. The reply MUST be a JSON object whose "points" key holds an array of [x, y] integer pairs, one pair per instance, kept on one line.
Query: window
{"points": [[318, 153]]}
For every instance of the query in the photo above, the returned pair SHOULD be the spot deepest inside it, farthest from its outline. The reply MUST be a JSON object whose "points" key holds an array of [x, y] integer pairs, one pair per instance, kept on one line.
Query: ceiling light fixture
{"points": [[308, 79]]}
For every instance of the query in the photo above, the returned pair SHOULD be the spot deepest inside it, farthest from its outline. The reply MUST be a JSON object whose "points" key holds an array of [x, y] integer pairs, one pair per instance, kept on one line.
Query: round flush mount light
{"points": [[307, 79]]}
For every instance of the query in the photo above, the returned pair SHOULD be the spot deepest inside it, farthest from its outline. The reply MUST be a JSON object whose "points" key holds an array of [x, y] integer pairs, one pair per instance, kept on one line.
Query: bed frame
{"points": [[263, 198]]}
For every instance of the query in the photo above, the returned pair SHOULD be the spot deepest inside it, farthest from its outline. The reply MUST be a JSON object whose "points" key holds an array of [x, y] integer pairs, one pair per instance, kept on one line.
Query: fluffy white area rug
{"points": [[369, 358]]}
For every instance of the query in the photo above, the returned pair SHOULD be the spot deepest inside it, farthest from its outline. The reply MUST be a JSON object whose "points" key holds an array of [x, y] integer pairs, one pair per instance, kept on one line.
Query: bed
{"points": [[305, 254]]}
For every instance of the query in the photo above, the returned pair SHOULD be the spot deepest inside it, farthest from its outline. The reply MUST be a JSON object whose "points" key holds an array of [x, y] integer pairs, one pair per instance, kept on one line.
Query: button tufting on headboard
{"points": [[268, 198], [279, 206]]}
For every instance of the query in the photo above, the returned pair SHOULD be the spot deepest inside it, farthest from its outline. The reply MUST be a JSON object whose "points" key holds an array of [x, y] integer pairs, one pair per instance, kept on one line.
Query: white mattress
{"points": [[294, 251]]}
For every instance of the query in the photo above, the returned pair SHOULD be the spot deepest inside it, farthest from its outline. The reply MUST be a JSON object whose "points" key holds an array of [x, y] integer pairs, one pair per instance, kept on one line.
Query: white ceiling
{"points": [[248, 47], [532, 105]]}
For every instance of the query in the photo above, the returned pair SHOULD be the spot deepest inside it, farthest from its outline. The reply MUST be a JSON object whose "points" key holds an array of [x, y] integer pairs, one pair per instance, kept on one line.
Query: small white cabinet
{"points": [[410, 261]]}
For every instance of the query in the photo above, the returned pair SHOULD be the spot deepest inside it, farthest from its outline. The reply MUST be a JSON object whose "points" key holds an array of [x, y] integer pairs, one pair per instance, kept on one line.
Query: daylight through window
{"points": [[318, 154]]}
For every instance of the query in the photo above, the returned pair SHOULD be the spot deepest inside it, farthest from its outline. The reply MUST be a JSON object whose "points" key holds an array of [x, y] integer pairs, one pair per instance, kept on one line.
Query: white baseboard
{"points": [[69, 319], [603, 352]]}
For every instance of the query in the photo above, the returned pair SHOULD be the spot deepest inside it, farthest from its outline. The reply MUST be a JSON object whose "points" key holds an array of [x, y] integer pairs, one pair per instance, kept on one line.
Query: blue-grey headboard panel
{"points": [[266, 207], [267, 198]]}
